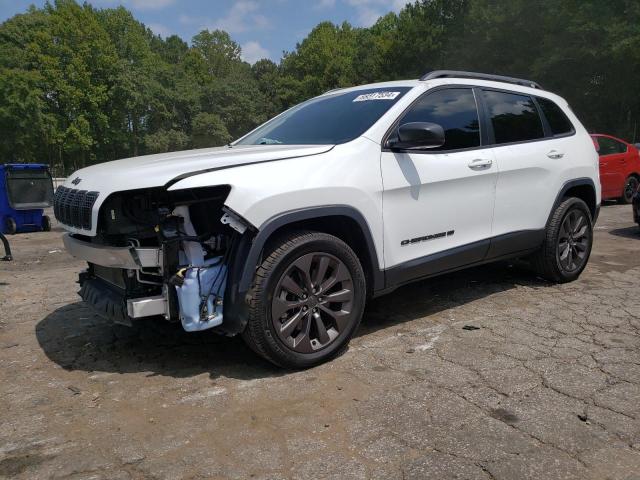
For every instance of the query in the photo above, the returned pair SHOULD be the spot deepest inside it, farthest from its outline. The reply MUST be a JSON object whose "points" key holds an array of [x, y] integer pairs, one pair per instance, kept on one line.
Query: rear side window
{"points": [[609, 146], [514, 117], [557, 120], [455, 110]]}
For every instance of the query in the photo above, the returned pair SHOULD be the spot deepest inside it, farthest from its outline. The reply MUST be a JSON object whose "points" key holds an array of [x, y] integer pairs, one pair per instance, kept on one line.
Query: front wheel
{"points": [[630, 187], [567, 245], [46, 223], [306, 301]]}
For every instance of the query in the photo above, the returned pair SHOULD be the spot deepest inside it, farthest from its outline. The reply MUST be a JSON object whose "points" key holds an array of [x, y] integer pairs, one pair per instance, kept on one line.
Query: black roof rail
{"points": [[479, 76]]}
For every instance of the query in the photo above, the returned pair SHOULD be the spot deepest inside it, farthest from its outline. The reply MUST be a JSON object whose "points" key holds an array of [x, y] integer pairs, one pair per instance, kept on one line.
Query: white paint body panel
{"points": [[430, 193]]}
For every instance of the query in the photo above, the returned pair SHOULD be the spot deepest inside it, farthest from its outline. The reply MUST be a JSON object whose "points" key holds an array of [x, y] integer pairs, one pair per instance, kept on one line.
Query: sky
{"points": [[263, 28]]}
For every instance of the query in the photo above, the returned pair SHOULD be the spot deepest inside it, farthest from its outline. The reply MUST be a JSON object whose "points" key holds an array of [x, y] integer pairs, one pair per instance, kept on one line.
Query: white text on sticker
{"points": [[376, 96]]}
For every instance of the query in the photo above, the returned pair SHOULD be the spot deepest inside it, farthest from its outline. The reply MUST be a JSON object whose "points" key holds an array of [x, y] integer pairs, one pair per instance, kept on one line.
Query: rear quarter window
{"points": [[557, 120]]}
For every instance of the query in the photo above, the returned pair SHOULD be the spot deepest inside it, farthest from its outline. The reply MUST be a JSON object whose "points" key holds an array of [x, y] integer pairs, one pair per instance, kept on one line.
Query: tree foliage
{"points": [[80, 85]]}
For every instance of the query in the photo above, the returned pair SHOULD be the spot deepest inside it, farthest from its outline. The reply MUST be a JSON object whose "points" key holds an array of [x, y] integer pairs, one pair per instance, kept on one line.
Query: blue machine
{"points": [[25, 190]]}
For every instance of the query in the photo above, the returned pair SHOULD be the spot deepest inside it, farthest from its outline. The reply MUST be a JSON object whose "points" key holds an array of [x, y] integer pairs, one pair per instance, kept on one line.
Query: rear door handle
{"points": [[480, 163], [555, 154]]}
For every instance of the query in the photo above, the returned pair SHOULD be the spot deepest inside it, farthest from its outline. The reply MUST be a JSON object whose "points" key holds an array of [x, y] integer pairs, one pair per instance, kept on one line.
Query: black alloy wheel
{"points": [[313, 302], [567, 243], [306, 301], [574, 240]]}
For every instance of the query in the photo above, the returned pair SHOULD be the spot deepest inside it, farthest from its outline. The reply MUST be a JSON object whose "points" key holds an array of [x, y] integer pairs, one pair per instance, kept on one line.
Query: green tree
{"points": [[163, 141], [217, 52], [209, 131], [80, 85]]}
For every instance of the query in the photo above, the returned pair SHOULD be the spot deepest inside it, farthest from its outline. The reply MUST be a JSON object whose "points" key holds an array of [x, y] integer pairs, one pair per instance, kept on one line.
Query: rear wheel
{"points": [[630, 187], [567, 246], [307, 300], [10, 226]]}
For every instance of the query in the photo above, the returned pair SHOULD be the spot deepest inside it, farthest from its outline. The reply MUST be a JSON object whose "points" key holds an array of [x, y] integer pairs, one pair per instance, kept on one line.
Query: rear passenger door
{"points": [[529, 159]]}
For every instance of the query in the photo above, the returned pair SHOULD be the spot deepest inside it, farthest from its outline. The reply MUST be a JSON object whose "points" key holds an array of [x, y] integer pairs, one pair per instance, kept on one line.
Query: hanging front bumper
{"points": [[130, 258]]}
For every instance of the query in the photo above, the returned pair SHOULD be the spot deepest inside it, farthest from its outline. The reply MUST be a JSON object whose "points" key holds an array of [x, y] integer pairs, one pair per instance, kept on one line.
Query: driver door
{"points": [[438, 203]]}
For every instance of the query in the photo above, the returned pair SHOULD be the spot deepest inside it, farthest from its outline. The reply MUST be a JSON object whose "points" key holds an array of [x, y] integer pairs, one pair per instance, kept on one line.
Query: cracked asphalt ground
{"points": [[547, 387]]}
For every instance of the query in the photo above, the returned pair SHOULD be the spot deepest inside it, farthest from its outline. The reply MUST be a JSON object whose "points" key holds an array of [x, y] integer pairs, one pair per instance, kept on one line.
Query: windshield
{"points": [[331, 119], [29, 188]]}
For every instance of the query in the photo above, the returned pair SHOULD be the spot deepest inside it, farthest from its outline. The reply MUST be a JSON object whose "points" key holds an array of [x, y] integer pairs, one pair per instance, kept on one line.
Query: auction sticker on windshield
{"points": [[376, 96]]}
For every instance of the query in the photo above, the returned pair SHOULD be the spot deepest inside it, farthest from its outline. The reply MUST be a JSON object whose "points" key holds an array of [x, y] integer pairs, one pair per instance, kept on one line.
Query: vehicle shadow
{"points": [[77, 339], [627, 232]]}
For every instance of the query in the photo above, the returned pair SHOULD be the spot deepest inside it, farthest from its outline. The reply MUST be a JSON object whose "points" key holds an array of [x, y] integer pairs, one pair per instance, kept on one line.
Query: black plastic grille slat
{"points": [[74, 207]]}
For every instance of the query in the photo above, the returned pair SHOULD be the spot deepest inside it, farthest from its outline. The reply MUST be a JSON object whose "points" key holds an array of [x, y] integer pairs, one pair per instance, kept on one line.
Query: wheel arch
{"points": [[342, 221], [582, 188]]}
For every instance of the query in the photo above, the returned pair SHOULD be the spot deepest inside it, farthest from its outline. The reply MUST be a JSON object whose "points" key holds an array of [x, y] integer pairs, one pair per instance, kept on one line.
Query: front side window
{"points": [[609, 146], [455, 110], [514, 117], [327, 120], [557, 120]]}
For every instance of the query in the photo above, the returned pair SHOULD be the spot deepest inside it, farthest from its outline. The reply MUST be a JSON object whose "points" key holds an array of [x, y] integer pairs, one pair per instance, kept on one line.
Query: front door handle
{"points": [[555, 154], [480, 163]]}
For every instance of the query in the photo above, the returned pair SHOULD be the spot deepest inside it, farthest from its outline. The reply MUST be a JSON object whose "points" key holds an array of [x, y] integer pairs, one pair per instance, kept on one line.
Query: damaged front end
{"points": [[174, 254]]}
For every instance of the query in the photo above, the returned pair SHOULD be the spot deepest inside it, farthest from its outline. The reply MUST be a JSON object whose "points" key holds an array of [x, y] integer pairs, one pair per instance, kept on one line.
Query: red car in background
{"points": [[619, 167]]}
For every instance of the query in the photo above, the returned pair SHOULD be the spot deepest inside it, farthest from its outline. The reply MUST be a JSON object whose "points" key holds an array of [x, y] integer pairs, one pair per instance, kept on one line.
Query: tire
{"points": [[46, 224], [630, 187], [289, 324], [568, 241], [10, 226]]}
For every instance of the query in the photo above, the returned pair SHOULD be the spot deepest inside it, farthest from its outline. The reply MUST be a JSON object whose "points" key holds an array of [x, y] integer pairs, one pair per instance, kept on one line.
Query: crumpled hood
{"points": [[158, 170]]}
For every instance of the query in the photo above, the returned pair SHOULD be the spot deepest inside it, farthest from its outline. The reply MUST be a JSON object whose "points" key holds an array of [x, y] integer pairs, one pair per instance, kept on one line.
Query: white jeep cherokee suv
{"points": [[282, 235]]}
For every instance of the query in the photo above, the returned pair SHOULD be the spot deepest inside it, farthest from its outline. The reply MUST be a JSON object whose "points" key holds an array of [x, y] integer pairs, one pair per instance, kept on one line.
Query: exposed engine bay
{"points": [[160, 253]]}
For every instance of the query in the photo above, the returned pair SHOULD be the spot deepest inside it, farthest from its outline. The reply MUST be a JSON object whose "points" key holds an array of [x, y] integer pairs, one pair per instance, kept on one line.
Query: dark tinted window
{"points": [[609, 146], [327, 120], [29, 188], [556, 118], [455, 110], [514, 117]]}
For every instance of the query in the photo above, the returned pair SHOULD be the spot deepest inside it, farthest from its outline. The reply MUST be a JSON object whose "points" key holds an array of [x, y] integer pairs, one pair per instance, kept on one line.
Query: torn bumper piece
{"points": [[112, 304], [103, 300]]}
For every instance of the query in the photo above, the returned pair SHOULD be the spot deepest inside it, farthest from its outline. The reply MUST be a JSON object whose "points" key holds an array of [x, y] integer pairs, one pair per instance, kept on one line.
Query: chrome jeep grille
{"points": [[73, 207]]}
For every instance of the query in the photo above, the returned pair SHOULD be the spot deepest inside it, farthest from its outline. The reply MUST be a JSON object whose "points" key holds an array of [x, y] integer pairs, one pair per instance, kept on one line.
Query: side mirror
{"points": [[418, 136]]}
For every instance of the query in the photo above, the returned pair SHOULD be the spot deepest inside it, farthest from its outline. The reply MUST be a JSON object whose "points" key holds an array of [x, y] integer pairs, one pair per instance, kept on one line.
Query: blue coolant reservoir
{"points": [[199, 283]]}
